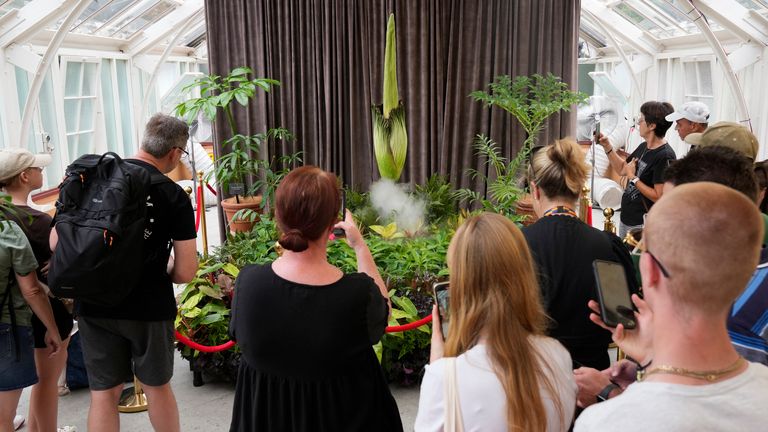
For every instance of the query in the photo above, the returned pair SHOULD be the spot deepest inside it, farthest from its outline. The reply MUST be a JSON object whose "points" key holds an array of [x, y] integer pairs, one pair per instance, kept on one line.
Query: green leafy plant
{"points": [[531, 100], [503, 189], [242, 162], [203, 316], [439, 197]]}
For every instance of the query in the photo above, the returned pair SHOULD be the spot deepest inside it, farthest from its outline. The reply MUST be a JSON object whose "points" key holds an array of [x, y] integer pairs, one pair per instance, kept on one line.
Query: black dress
{"points": [[563, 248], [307, 363]]}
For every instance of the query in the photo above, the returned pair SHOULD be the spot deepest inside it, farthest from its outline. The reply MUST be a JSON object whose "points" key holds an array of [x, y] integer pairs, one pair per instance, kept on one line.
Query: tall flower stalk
{"points": [[390, 138]]}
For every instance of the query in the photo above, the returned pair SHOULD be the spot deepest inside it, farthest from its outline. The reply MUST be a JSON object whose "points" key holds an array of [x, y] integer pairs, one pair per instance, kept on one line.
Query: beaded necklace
{"points": [[560, 211]]}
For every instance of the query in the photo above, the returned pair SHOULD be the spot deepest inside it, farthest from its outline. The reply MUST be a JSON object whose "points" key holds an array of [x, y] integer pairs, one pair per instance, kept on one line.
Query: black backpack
{"points": [[101, 216]]}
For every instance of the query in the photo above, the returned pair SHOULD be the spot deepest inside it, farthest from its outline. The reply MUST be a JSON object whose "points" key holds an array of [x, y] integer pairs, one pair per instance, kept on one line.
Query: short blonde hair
{"points": [[708, 237]]}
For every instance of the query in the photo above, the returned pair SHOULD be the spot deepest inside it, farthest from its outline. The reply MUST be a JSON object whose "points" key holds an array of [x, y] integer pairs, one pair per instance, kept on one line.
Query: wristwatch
{"points": [[634, 180], [606, 392]]}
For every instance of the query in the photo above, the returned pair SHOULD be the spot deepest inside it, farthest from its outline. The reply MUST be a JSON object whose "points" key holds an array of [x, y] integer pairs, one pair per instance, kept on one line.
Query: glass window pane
{"points": [[72, 79], [705, 78], [126, 121], [22, 87], [691, 81], [84, 144], [53, 173], [89, 79], [129, 26], [94, 16], [71, 110], [108, 101], [86, 114]]}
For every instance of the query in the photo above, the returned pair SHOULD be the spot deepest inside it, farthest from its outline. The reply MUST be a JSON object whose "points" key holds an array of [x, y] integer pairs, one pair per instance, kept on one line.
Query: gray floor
{"points": [[206, 408]]}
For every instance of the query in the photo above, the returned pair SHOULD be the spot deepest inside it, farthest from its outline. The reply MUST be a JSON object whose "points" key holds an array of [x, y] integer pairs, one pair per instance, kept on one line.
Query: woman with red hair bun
{"points": [[306, 329]]}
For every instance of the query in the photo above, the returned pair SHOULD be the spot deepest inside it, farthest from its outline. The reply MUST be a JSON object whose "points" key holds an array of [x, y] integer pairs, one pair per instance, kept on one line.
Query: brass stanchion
{"points": [[584, 204], [133, 400], [201, 209], [608, 225]]}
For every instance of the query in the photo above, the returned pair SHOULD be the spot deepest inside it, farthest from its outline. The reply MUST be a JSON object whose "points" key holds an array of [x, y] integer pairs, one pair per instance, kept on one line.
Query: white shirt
{"points": [[736, 404], [481, 395]]}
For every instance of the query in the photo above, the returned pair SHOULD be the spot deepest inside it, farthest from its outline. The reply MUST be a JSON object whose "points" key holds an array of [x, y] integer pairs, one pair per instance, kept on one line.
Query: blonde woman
{"points": [[509, 375], [564, 248]]}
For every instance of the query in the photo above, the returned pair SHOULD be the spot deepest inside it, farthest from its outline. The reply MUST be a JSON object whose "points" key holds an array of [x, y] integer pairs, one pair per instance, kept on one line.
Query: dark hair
{"points": [[716, 164], [761, 174], [307, 202], [163, 133], [654, 112]]}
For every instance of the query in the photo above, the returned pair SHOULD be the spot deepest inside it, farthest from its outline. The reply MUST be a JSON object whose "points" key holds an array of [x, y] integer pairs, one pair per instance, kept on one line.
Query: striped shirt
{"points": [[748, 321]]}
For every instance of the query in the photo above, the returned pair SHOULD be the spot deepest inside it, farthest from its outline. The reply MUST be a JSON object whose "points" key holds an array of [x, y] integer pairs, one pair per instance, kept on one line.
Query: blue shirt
{"points": [[748, 321]]}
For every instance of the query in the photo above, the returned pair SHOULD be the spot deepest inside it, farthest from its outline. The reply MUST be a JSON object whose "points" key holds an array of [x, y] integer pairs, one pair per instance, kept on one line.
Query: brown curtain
{"points": [[328, 55]]}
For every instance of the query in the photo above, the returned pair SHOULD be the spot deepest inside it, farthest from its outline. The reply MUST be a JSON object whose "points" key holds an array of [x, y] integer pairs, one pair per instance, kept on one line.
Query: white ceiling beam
{"points": [[163, 28], [33, 17], [732, 16], [625, 30]]}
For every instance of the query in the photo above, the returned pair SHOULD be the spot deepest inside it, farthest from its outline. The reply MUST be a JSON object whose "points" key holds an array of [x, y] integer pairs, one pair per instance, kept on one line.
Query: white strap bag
{"points": [[453, 420]]}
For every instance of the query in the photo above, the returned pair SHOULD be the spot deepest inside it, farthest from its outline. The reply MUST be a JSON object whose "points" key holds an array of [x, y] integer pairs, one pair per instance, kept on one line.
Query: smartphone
{"points": [[615, 302], [597, 131], [339, 232], [442, 297]]}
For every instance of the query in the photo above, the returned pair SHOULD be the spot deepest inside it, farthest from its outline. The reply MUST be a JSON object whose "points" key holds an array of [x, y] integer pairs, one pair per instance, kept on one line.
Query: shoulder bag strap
{"points": [[12, 313], [453, 420]]}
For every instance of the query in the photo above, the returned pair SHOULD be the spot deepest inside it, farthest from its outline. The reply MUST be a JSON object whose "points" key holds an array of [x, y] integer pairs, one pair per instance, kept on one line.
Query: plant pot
{"points": [[524, 207], [231, 206]]}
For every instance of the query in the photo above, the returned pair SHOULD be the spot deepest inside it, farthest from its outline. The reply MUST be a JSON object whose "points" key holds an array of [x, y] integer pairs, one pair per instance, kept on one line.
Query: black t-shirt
{"points": [[307, 360], [564, 248], [650, 171], [169, 217], [37, 227]]}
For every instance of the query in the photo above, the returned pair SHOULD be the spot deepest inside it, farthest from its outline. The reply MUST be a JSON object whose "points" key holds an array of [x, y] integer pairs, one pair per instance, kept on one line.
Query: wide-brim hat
{"points": [[727, 134]]}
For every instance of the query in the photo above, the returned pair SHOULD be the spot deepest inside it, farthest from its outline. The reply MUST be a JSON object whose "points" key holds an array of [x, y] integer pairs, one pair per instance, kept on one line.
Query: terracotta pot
{"points": [[231, 206], [524, 207]]}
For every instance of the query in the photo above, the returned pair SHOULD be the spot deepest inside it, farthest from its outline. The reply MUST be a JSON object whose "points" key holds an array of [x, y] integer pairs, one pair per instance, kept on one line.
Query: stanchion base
{"points": [[130, 402]]}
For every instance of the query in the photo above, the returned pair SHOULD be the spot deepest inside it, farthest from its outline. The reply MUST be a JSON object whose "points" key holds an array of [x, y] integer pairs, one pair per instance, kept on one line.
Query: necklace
{"points": [[560, 211], [710, 375]]}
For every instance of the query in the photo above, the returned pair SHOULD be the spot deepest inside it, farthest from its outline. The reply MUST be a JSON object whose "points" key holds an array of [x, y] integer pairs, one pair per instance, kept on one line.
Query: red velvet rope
{"points": [[199, 207], [207, 349], [213, 191], [409, 326], [229, 344]]}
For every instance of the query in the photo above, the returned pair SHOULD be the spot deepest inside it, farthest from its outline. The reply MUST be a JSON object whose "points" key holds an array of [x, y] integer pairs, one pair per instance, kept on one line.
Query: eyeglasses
{"points": [[183, 151], [656, 261]]}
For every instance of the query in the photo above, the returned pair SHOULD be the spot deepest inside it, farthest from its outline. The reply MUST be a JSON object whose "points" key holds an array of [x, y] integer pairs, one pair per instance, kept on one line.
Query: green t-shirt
{"points": [[15, 255]]}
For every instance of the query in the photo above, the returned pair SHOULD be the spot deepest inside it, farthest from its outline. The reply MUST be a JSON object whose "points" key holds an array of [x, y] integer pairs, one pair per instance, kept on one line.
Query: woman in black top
{"points": [[564, 248], [645, 167], [306, 329]]}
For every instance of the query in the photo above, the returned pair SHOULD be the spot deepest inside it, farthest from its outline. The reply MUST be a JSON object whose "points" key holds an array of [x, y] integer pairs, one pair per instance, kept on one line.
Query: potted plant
{"points": [[241, 164], [531, 100]]}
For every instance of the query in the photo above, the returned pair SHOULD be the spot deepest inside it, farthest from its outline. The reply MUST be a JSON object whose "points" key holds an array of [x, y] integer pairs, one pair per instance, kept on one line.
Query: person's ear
{"points": [[649, 272]]}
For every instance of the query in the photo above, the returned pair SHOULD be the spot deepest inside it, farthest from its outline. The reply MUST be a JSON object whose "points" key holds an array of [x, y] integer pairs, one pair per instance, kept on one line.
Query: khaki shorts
{"points": [[114, 350]]}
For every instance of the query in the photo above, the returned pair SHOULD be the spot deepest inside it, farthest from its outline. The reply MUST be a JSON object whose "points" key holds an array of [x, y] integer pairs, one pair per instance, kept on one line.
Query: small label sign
{"points": [[237, 189]]}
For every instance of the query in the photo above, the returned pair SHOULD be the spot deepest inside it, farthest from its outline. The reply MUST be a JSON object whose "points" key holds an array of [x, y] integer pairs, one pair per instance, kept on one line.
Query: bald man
{"points": [[702, 244]]}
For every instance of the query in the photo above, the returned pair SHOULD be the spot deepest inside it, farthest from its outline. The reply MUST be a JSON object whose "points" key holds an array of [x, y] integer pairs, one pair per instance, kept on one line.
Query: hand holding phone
{"points": [[339, 232], [442, 296], [613, 291]]}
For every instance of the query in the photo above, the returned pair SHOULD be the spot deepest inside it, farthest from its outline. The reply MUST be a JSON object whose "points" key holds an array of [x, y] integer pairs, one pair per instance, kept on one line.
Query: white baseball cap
{"points": [[15, 160], [696, 112]]}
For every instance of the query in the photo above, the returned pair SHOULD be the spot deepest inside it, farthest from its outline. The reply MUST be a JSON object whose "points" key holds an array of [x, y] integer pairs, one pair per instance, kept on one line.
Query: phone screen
{"points": [[339, 232], [442, 297], [615, 301]]}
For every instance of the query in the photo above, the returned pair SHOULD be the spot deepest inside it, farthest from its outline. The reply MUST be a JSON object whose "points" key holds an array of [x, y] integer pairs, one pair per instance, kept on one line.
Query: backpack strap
{"points": [[7, 296]]}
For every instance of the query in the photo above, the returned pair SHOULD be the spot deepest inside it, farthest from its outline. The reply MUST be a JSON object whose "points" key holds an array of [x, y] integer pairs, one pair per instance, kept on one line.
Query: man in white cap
{"points": [[692, 117]]}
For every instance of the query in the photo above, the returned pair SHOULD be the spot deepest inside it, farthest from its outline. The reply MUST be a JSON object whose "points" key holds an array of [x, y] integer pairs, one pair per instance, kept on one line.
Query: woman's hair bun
{"points": [[293, 240]]}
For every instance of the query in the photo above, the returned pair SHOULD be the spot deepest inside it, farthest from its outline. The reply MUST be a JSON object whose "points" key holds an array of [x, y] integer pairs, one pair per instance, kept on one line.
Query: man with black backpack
{"points": [[131, 332]]}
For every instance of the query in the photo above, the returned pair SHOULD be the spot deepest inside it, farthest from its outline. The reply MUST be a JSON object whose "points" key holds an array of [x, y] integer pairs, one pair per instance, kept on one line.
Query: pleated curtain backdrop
{"points": [[329, 55]]}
